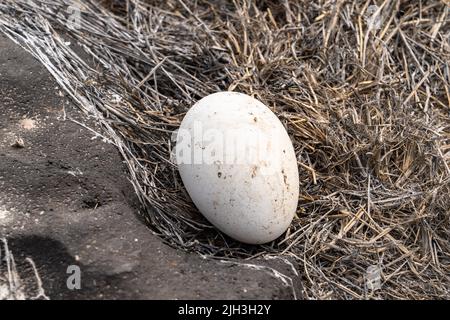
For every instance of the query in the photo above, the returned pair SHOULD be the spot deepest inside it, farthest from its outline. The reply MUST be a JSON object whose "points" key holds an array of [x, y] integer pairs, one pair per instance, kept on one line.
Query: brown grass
{"points": [[363, 92]]}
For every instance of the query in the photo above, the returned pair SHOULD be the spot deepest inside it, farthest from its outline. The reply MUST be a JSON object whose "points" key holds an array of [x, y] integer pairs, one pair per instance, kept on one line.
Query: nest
{"points": [[363, 89]]}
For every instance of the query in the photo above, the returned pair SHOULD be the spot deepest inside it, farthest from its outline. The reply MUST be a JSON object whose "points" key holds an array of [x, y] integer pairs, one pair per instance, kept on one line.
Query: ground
{"points": [[65, 200]]}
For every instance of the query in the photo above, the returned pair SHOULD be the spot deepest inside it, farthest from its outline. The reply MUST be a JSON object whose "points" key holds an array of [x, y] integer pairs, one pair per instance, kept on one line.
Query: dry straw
{"points": [[361, 86]]}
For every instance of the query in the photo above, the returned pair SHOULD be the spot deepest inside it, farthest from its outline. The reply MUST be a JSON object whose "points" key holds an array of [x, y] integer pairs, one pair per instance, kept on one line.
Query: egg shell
{"points": [[239, 167]]}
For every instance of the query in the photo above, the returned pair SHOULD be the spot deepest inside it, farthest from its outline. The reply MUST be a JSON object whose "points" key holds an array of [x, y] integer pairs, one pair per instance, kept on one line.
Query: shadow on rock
{"points": [[58, 271]]}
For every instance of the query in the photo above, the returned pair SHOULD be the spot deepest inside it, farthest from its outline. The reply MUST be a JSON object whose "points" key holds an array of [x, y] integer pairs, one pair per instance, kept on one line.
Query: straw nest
{"points": [[362, 88]]}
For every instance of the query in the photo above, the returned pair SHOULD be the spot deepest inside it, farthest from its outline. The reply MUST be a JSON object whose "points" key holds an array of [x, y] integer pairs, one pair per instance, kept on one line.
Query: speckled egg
{"points": [[239, 167]]}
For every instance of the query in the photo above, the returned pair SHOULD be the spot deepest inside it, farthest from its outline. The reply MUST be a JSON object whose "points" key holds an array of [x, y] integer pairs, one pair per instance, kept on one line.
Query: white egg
{"points": [[239, 167]]}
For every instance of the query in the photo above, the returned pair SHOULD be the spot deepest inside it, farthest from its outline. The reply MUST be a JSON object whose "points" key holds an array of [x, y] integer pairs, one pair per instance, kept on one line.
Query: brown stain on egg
{"points": [[285, 179], [254, 170]]}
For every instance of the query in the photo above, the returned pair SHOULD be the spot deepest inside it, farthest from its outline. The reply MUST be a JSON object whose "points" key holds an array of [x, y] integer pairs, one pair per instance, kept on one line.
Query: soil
{"points": [[65, 200]]}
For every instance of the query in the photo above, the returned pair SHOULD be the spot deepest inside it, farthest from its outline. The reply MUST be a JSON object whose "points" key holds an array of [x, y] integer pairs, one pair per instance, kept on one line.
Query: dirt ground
{"points": [[65, 200]]}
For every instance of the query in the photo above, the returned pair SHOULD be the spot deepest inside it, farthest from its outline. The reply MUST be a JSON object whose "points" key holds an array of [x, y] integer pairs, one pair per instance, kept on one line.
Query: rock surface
{"points": [[65, 200]]}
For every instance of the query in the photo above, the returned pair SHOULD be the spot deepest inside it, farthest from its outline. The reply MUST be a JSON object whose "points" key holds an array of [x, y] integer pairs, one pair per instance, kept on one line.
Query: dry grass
{"points": [[363, 91]]}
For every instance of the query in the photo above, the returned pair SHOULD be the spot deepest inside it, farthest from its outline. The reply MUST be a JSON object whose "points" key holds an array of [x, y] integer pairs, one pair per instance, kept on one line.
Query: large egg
{"points": [[239, 167]]}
